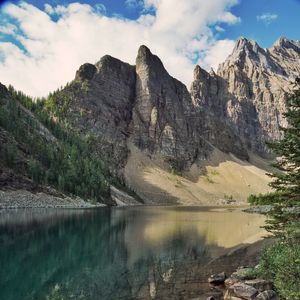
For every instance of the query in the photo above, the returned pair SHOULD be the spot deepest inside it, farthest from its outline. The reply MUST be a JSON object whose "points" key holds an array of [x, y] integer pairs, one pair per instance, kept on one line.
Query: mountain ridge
{"points": [[140, 113]]}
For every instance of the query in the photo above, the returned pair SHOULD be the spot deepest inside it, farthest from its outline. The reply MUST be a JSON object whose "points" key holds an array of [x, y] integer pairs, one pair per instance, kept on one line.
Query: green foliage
{"points": [[9, 154], [264, 199], [281, 263], [63, 159], [35, 171]]}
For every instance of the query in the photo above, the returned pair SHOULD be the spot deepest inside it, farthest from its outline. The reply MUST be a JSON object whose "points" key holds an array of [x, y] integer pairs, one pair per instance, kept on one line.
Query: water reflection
{"points": [[110, 254]]}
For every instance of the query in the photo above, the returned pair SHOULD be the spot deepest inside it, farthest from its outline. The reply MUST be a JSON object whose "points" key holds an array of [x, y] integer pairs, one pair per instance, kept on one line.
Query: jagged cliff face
{"points": [[236, 110], [163, 113], [209, 94], [256, 84], [142, 108]]}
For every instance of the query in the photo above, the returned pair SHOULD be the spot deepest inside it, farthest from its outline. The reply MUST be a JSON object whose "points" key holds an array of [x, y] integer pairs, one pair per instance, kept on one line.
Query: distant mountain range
{"points": [[172, 145]]}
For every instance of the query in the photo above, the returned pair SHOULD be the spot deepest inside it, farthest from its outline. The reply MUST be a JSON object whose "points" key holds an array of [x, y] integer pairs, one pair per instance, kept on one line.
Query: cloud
{"points": [[267, 18], [53, 43], [133, 4], [219, 28], [218, 53], [229, 18], [8, 29]]}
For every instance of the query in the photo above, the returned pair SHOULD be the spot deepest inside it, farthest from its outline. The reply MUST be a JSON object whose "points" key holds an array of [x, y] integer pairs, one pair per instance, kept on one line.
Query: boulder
{"points": [[243, 291], [217, 278], [230, 281], [267, 295], [229, 296], [260, 284]]}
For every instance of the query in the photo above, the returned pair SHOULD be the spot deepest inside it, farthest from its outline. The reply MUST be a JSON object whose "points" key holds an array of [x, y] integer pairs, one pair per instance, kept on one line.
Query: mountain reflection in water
{"points": [[121, 253]]}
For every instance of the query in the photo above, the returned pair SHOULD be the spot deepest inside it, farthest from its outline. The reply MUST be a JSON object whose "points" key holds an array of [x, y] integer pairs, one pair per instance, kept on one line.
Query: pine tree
{"points": [[284, 218]]}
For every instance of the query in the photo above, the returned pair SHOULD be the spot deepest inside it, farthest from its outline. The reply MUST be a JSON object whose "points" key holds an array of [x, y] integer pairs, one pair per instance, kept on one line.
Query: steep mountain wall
{"points": [[257, 84]]}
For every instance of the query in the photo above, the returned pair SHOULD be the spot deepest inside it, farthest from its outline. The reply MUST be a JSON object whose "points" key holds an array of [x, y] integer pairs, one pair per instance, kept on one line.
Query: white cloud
{"points": [[267, 18], [8, 29], [180, 34], [228, 17], [218, 53], [219, 28]]}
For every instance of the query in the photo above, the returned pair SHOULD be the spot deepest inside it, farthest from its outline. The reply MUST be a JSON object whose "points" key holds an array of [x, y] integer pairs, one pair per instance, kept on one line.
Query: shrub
{"points": [[281, 263]]}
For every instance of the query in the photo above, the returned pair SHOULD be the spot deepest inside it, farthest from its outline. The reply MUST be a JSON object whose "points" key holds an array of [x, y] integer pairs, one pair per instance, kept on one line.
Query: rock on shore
{"points": [[242, 285]]}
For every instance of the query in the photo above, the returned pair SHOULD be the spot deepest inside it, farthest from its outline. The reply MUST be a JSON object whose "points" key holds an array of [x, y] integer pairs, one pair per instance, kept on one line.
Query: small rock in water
{"points": [[267, 295], [217, 278], [243, 291]]}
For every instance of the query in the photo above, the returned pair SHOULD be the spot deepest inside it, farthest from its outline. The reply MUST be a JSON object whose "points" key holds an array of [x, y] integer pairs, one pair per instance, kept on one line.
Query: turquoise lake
{"points": [[118, 253]]}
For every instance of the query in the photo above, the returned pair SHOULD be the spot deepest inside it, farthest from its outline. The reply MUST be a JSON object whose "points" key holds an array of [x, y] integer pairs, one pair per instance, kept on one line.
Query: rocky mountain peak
{"points": [[146, 60], [200, 74], [212, 72], [283, 42], [86, 72], [144, 52], [108, 62], [246, 51], [244, 44]]}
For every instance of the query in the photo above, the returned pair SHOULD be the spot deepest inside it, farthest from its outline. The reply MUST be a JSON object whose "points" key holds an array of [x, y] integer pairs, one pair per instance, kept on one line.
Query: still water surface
{"points": [[107, 254]]}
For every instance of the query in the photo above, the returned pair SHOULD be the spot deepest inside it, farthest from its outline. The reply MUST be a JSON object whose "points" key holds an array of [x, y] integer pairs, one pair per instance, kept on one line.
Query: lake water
{"points": [[119, 253]]}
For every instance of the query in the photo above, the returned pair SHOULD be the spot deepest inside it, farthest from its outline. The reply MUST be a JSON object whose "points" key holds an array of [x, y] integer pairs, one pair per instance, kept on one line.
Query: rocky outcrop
{"points": [[163, 115], [100, 103], [210, 98], [258, 82]]}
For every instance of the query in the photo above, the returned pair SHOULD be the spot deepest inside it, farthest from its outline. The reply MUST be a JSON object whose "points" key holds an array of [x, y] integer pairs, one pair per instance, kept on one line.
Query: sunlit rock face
{"points": [[236, 109], [257, 84]]}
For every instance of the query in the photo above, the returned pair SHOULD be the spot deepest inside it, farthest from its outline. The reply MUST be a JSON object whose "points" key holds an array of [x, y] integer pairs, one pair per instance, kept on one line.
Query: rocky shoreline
{"points": [[241, 285], [23, 199]]}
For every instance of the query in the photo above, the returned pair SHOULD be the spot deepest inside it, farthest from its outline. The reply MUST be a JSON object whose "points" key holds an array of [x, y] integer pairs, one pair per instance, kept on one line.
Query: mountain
{"points": [[259, 81], [45, 164], [172, 145]]}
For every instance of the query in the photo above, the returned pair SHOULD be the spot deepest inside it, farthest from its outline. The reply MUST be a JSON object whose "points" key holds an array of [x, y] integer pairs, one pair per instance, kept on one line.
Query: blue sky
{"points": [[287, 22], [41, 36]]}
